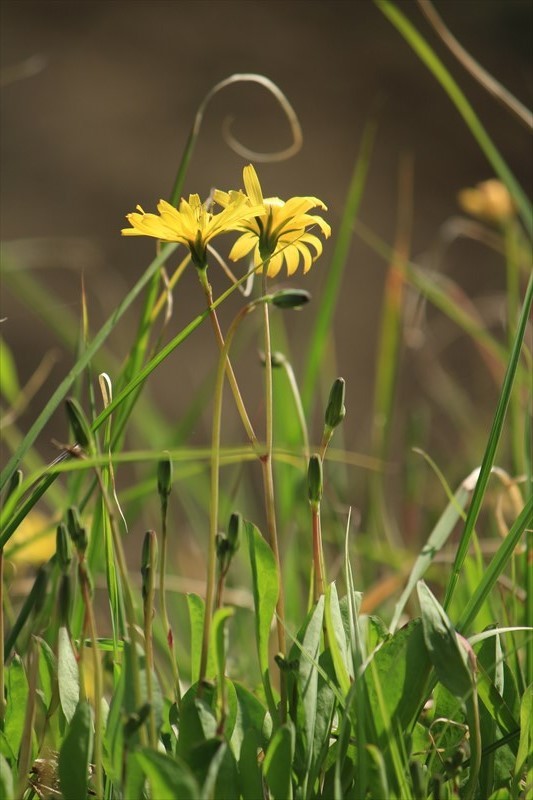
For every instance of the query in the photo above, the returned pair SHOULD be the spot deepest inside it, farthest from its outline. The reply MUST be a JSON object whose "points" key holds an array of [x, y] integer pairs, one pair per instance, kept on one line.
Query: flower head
{"points": [[279, 234], [191, 223]]}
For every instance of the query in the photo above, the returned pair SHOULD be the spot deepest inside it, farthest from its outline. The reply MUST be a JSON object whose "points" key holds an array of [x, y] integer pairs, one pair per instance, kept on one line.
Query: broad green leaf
{"points": [[197, 722], [265, 587], [402, 667], [68, 678], [308, 687], [337, 639], [169, 778], [250, 779], [17, 700], [47, 671], [448, 658], [277, 766], [222, 778], [251, 716], [75, 754], [196, 608], [325, 710]]}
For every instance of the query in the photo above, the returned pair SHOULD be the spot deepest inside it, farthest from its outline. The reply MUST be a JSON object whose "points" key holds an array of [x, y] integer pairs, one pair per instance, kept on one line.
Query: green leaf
{"points": [[325, 710], [524, 762], [437, 539], [277, 766], [307, 681], [337, 639], [169, 778], [448, 658], [251, 715], [17, 700], [265, 587], [196, 608], [47, 671], [68, 678], [250, 779], [75, 754], [9, 382], [402, 667], [6, 780]]}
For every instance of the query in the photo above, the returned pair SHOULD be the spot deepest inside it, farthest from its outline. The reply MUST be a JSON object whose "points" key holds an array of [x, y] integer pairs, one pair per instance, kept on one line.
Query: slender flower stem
{"points": [[268, 483], [215, 465], [318, 554], [148, 603], [206, 286]]}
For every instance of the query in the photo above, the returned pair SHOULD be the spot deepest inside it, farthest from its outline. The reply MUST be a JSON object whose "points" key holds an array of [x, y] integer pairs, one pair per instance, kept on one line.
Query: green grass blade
{"points": [[496, 566], [492, 444], [435, 65], [331, 289], [81, 364]]}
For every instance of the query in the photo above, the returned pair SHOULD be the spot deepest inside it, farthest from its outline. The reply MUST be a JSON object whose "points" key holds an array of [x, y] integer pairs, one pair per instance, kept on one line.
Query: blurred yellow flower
{"points": [[34, 541], [280, 233], [489, 200], [191, 224]]}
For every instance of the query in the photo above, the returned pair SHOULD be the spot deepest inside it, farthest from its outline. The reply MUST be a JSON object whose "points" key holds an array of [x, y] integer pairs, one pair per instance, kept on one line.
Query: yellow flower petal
{"points": [[242, 246], [252, 185]]}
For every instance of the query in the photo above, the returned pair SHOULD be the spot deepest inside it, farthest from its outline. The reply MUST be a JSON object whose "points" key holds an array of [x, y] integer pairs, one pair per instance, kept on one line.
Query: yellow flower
{"points": [[191, 223], [489, 200], [280, 233]]}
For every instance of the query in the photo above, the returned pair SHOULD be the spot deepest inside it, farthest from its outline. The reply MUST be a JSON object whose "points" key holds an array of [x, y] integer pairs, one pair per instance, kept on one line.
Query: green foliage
{"points": [[100, 695]]}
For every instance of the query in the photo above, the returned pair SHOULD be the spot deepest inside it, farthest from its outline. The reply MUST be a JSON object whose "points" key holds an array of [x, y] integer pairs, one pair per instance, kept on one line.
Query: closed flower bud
{"points": [[314, 479], [277, 359], [63, 547], [290, 298], [164, 476], [235, 527], [336, 410], [78, 422]]}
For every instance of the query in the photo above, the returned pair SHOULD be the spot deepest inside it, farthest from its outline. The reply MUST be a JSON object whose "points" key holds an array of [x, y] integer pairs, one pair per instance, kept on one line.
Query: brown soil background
{"points": [[101, 125]]}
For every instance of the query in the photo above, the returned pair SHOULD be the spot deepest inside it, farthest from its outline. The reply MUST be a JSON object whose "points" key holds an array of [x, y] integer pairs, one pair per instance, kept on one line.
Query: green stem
{"points": [[206, 286], [98, 682], [169, 638], [25, 753], [215, 465], [148, 643], [268, 483], [318, 554]]}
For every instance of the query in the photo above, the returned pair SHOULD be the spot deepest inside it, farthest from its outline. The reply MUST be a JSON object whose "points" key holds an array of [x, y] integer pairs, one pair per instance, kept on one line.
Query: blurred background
{"points": [[97, 102]]}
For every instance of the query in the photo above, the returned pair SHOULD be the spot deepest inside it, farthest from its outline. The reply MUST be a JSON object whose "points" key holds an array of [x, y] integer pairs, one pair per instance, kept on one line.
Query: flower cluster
{"points": [[274, 232]]}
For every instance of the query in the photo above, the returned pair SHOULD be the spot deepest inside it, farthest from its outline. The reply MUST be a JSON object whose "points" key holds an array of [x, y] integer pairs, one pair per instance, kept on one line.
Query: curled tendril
{"points": [[236, 146]]}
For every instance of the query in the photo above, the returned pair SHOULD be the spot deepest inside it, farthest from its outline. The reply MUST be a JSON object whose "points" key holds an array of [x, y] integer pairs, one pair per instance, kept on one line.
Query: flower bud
{"points": [[235, 527], [277, 359], [78, 422], [314, 479], [77, 532], [336, 410], [164, 476], [63, 547], [290, 298]]}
